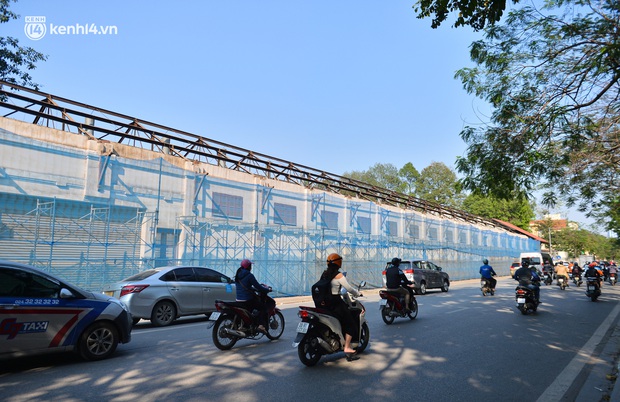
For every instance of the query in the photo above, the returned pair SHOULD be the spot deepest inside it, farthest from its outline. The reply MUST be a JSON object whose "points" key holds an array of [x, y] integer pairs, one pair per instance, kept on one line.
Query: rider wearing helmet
{"points": [[339, 308], [395, 280], [487, 272], [527, 276], [561, 270], [247, 285], [593, 272]]}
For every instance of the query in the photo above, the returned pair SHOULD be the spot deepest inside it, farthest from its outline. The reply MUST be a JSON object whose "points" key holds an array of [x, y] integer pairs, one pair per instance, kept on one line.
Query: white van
{"points": [[538, 259]]}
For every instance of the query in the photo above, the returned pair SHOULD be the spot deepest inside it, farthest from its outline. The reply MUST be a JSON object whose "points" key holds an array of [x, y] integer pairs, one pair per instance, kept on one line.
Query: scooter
{"points": [[577, 279], [525, 300], [547, 279], [232, 321], [485, 287], [561, 282], [613, 278], [392, 305], [593, 289], [319, 332]]}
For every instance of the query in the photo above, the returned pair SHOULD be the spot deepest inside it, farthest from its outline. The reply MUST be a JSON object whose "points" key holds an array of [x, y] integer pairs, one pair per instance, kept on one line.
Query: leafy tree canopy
{"points": [[438, 183], [16, 61], [553, 78], [517, 211], [475, 13]]}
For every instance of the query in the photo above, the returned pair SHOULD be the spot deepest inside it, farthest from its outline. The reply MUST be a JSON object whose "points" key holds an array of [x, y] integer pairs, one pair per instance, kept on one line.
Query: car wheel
{"points": [[422, 289], [164, 313], [446, 286], [98, 341]]}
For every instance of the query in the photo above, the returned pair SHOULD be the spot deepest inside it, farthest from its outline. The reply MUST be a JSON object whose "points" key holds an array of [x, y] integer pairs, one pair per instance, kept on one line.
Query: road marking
{"points": [[563, 381], [458, 310]]}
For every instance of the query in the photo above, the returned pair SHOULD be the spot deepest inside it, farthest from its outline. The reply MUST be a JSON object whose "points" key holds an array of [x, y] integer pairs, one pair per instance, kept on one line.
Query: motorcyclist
{"points": [[528, 277], [613, 269], [246, 285], [487, 272], [562, 271], [593, 272], [547, 269], [577, 271], [339, 308], [397, 282]]}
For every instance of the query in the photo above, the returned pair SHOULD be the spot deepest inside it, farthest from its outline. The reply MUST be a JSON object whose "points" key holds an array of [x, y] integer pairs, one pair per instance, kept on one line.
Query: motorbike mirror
{"points": [[362, 284]]}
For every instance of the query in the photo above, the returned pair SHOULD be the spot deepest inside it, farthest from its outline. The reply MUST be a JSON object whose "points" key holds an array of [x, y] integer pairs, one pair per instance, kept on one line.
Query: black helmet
{"points": [[396, 261], [485, 261], [525, 262]]}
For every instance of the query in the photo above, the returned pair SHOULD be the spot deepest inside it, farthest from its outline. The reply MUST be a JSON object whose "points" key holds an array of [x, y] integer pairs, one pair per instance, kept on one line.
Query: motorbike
{"points": [[547, 279], [561, 282], [485, 287], [593, 289], [392, 305], [577, 279], [525, 300], [319, 333], [613, 278], [233, 321]]}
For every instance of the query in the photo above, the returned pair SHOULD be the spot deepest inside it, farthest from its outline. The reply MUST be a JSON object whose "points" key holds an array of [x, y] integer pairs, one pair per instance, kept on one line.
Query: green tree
{"points": [[552, 77], [384, 175], [475, 13], [409, 176], [517, 211], [438, 183], [16, 61]]}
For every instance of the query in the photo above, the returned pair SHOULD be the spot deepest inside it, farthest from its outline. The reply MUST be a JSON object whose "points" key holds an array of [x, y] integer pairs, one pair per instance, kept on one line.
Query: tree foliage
{"points": [[578, 242], [384, 175], [438, 183], [517, 211], [16, 61], [552, 77], [475, 13]]}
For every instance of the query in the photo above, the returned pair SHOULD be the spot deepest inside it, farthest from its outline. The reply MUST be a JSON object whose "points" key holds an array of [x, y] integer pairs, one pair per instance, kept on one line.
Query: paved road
{"points": [[462, 346]]}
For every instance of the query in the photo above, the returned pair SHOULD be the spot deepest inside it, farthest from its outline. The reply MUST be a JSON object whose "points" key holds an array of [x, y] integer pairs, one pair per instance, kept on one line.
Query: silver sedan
{"points": [[166, 293]]}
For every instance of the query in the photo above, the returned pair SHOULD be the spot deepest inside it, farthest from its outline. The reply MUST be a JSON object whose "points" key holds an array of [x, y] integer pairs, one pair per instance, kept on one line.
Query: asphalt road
{"points": [[462, 346]]}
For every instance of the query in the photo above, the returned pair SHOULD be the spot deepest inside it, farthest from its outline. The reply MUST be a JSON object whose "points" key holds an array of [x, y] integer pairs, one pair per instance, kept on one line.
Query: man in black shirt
{"points": [[395, 279]]}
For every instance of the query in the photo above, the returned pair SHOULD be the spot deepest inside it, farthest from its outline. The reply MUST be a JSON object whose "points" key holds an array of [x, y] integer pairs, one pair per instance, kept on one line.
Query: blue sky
{"points": [[334, 85]]}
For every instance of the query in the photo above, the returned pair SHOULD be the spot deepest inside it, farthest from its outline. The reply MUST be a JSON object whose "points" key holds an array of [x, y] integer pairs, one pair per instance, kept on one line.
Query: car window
{"points": [[141, 275], [25, 284], [209, 275], [185, 274]]}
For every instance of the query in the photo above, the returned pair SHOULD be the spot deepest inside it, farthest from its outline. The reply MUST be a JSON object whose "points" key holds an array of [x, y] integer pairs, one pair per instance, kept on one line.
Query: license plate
{"points": [[560, 280], [591, 287], [302, 328], [521, 300], [109, 293], [214, 316], [383, 302]]}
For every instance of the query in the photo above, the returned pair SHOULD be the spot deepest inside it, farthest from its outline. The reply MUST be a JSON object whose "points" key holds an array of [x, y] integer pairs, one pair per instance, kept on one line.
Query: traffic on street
{"points": [[460, 346]]}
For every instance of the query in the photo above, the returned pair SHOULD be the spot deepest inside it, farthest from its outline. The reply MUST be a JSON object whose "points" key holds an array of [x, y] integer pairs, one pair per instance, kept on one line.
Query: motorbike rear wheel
{"points": [[221, 339], [385, 314], [275, 327], [414, 310], [308, 351]]}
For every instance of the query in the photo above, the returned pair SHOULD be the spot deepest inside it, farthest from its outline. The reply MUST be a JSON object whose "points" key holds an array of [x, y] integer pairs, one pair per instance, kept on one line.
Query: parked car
{"points": [[164, 294], [424, 274], [40, 313], [515, 265]]}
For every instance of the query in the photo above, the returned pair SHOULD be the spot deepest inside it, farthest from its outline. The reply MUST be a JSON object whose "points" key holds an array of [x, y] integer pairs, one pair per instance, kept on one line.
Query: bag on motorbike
{"points": [[322, 293]]}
